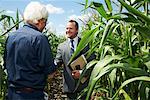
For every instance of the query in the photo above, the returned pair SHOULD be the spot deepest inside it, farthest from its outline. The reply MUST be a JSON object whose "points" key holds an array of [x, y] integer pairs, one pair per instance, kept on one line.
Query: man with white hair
{"points": [[28, 57]]}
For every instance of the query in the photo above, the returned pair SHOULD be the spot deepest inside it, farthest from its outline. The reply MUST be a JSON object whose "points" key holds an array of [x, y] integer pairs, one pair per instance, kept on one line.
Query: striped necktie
{"points": [[72, 46]]}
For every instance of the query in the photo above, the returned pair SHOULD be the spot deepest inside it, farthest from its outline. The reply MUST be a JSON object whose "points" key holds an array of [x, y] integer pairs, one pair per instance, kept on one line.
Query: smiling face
{"points": [[71, 30]]}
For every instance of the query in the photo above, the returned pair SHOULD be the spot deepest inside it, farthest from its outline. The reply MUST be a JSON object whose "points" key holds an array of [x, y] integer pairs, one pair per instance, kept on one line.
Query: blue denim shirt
{"points": [[28, 58]]}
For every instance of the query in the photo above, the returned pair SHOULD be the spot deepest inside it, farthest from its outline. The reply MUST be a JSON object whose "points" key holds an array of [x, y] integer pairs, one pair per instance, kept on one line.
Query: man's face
{"points": [[71, 30], [42, 24]]}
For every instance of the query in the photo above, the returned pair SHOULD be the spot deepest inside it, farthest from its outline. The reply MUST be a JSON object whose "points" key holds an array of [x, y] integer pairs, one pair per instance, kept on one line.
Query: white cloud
{"points": [[13, 14], [85, 17], [54, 10], [50, 27], [10, 12], [61, 33], [21, 16], [73, 17], [61, 28]]}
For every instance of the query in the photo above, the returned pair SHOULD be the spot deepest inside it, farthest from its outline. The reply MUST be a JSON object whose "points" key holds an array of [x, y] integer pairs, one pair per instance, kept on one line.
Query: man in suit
{"points": [[64, 53]]}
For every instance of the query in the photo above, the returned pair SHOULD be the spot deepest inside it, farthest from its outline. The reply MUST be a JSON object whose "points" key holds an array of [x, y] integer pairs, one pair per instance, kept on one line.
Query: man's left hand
{"points": [[76, 74]]}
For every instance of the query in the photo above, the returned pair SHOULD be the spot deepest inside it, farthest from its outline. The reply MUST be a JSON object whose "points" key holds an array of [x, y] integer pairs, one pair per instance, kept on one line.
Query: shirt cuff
{"points": [[80, 71]]}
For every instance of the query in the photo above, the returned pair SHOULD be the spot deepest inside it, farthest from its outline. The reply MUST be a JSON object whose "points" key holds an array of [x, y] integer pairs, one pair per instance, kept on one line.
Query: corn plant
{"points": [[8, 23], [54, 40], [121, 43]]}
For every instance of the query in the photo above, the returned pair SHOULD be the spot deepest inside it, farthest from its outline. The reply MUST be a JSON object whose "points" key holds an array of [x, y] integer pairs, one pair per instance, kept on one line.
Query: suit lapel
{"points": [[78, 40], [67, 48]]}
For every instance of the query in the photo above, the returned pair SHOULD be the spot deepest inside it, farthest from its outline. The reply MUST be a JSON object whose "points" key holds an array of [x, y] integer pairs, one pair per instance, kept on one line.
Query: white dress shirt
{"points": [[75, 42]]}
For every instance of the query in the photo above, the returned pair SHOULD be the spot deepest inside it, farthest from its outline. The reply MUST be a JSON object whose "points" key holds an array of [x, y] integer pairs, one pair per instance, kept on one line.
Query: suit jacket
{"points": [[63, 56]]}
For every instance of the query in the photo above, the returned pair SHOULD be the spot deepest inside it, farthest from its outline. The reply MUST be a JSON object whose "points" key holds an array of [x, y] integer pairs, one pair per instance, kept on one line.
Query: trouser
{"points": [[18, 94], [73, 96]]}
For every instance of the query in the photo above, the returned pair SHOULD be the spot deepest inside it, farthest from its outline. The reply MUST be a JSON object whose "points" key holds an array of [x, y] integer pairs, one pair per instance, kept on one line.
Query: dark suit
{"points": [[63, 56]]}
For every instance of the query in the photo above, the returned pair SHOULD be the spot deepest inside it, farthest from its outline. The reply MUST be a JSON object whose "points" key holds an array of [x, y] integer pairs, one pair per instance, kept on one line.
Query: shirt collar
{"points": [[75, 39], [31, 26]]}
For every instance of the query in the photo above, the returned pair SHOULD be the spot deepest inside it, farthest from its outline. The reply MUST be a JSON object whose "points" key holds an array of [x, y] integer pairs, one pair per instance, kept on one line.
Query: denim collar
{"points": [[33, 27]]}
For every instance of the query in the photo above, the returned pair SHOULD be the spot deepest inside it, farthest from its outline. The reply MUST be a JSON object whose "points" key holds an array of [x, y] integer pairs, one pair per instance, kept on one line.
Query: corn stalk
{"points": [[122, 47]]}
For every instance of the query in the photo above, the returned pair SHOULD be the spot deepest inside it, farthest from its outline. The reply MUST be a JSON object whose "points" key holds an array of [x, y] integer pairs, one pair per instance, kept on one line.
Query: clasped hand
{"points": [[76, 74]]}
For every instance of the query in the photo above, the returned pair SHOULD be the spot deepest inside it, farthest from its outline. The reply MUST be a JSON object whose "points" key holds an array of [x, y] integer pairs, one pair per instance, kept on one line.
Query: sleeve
{"points": [[58, 58], [92, 56], [45, 55]]}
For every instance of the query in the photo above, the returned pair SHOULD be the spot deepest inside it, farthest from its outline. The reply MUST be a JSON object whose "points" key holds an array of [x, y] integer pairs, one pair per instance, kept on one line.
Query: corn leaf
{"points": [[2, 17], [11, 28], [102, 63], [109, 68], [135, 12], [141, 78], [89, 65], [144, 30], [148, 65], [103, 71], [99, 7], [108, 4], [112, 77], [130, 18], [138, 1], [143, 93], [88, 36], [106, 32], [17, 19], [116, 16], [86, 4], [126, 96]]}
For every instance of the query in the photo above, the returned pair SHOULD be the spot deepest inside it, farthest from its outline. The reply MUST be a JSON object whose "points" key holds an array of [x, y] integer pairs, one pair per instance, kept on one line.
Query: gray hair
{"points": [[34, 12]]}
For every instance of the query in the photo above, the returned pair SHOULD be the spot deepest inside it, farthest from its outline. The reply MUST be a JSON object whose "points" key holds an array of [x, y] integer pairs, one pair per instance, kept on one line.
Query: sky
{"points": [[60, 11]]}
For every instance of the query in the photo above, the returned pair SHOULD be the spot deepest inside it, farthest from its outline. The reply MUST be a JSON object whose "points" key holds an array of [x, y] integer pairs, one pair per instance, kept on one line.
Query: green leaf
{"points": [[86, 4], [87, 37], [144, 30], [141, 78], [130, 18], [126, 96], [103, 71], [115, 16], [109, 68], [148, 65], [17, 19], [11, 28], [135, 12], [102, 63], [89, 65], [112, 77], [3, 17], [106, 32], [143, 91], [108, 4], [99, 7], [137, 1]]}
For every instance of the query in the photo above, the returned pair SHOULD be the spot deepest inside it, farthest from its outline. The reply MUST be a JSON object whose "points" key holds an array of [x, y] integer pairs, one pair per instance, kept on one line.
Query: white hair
{"points": [[35, 11]]}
